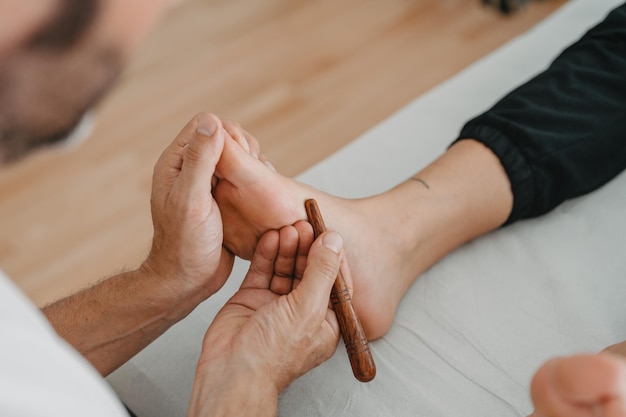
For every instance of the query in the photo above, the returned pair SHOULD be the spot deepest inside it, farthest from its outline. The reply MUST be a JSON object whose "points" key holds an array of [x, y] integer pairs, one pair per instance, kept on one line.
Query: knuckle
{"points": [[195, 149], [328, 266]]}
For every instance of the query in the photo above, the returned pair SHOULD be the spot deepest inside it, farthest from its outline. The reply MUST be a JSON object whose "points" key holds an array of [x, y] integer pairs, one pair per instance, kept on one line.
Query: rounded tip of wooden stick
{"points": [[364, 369], [366, 377]]}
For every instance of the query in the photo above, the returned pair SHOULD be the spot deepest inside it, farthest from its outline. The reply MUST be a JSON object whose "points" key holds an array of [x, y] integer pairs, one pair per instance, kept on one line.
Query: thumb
{"points": [[321, 271], [202, 153]]}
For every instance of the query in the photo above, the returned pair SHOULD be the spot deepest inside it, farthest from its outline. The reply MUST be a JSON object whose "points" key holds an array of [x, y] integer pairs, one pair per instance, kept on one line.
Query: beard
{"points": [[44, 94]]}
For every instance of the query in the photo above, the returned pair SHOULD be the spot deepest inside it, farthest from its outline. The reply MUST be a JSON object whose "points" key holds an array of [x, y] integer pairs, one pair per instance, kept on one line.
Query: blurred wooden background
{"points": [[305, 77]]}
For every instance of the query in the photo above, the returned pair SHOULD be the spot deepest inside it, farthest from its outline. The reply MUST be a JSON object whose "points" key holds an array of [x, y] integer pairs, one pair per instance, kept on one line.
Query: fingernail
{"points": [[206, 125], [333, 241]]}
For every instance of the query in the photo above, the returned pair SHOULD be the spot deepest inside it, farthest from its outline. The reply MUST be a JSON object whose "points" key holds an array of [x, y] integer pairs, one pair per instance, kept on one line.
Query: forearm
{"points": [[115, 319], [561, 134]]}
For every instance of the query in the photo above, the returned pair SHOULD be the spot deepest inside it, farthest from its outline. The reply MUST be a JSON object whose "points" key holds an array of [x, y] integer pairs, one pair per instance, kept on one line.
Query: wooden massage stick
{"points": [[363, 366]]}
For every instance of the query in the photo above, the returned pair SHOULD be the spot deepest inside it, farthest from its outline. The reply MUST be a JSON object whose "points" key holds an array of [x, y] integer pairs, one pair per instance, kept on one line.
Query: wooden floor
{"points": [[306, 77]]}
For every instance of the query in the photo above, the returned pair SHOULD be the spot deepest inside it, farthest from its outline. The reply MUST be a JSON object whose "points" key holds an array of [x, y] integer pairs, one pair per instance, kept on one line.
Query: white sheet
{"points": [[472, 330]]}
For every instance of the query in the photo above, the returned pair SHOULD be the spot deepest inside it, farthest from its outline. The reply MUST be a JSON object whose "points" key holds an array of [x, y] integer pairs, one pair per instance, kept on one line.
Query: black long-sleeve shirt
{"points": [[563, 133]]}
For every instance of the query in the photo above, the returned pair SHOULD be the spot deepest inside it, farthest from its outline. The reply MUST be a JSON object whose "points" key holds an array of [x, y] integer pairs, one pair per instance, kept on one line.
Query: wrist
{"points": [[171, 291], [226, 388]]}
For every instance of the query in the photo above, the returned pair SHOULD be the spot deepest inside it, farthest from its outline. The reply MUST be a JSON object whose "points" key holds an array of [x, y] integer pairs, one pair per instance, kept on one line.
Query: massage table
{"points": [[472, 330]]}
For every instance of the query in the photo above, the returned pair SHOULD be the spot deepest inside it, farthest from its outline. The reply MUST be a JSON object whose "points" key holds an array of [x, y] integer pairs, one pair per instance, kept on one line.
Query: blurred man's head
{"points": [[57, 58]]}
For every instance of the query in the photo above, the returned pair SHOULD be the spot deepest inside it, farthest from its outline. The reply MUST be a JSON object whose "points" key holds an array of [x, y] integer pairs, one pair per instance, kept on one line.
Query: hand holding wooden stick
{"points": [[363, 366]]}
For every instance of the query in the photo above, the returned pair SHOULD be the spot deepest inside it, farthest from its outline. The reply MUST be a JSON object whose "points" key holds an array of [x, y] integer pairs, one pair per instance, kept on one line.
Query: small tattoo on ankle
{"points": [[421, 181]]}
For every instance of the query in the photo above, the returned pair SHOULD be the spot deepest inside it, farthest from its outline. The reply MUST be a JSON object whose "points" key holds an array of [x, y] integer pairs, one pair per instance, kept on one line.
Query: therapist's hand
{"points": [[187, 252], [112, 321], [270, 332]]}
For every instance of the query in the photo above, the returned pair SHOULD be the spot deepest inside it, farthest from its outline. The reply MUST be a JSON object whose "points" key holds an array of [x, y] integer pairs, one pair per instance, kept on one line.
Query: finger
{"points": [[333, 323], [173, 154], [285, 261], [202, 153], [262, 264], [306, 237], [347, 275], [324, 259], [167, 168]]}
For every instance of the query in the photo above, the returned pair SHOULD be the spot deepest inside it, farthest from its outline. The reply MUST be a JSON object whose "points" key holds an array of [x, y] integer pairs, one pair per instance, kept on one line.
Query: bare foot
{"points": [[254, 198], [581, 386], [390, 238]]}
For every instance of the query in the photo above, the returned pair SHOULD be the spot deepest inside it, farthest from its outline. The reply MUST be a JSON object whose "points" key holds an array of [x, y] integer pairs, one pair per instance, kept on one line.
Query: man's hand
{"points": [[187, 247], [274, 329], [113, 320]]}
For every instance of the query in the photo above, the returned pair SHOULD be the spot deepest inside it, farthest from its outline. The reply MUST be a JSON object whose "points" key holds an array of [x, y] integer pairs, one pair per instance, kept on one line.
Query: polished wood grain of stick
{"points": [[361, 360]]}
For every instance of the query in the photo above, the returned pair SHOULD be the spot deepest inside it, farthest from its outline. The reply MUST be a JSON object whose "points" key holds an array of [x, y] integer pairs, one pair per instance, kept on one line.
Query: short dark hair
{"points": [[68, 24]]}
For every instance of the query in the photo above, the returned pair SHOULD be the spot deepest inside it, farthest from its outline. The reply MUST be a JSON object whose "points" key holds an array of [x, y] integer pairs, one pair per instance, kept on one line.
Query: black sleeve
{"points": [[563, 133]]}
